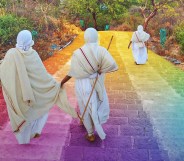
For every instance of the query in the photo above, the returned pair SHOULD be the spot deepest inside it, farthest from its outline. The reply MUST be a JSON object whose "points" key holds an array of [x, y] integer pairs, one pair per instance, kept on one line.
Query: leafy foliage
{"points": [[179, 33], [10, 26], [49, 16], [98, 11]]}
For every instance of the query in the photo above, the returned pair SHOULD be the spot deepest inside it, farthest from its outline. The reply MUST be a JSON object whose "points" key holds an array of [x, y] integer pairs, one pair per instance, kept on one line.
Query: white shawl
{"points": [[80, 68], [24, 77], [144, 37], [140, 35]]}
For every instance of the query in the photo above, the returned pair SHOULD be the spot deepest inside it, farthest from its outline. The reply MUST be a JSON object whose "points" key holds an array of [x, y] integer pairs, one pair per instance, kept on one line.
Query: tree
{"points": [[44, 8], [37, 10], [94, 9], [150, 8]]}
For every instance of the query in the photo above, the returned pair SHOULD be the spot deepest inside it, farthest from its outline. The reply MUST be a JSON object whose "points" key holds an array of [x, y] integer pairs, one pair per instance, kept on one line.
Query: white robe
{"points": [[34, 127], [24, 78], [140, 54], [98, 109]]}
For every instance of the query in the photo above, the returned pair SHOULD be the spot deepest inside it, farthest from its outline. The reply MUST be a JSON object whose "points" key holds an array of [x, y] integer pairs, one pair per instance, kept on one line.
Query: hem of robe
{"points": [[99, 130], [24, 137], [136, 54], [20, 127]]}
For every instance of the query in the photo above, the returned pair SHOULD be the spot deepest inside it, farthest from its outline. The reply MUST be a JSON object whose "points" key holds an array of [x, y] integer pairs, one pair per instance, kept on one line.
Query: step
{"points": [[166, 114], [13, 159], [8, 138], [32, 152], [58, 119], [48, 128]]}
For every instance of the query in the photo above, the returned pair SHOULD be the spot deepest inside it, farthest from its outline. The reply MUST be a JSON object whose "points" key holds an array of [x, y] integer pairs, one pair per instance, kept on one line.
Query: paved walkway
{"points": [[146, 120], [161, 88]]}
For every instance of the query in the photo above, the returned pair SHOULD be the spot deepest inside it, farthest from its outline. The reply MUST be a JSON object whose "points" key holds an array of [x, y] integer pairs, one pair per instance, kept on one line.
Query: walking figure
{"points": [[139, 50]]}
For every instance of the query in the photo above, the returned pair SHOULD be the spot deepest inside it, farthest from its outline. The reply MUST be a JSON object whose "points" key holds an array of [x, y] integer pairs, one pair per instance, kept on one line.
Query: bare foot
{"points": [[37, 135], [90, 138]]}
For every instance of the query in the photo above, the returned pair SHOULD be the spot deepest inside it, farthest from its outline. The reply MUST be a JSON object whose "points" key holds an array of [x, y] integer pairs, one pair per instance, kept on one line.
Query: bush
{"points": [[179, 33], [128, 22], [10, 26], [123, 27]]}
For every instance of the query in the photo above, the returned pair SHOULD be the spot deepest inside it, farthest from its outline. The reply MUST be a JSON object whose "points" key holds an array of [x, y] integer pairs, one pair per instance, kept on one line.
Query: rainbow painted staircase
{"points": [[146, 120]]}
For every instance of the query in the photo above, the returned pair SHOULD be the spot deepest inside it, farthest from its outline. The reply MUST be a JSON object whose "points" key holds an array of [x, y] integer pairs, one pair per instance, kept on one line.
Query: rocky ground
{"points": [[171, 52]]}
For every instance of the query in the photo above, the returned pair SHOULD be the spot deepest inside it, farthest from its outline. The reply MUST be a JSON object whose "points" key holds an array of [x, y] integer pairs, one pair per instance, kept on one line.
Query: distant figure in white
{"points": [[90, 63], [139, 49], [28, 89]]}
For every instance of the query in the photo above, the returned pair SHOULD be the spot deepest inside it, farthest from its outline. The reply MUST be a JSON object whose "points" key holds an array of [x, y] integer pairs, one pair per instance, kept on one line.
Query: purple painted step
{"points": [[112, 154], [12, 159], [129, 131], [8, 138], [48, 147], [30, 151]]}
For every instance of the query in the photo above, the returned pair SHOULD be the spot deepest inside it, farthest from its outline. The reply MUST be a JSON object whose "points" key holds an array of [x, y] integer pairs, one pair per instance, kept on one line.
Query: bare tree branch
{"points": [[153, 3], [156, 7], [146, 3], [143, 11]]}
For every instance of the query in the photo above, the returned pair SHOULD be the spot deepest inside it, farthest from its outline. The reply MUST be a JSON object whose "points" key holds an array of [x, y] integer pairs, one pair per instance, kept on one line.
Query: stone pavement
{"points": [[161, 88], [130, 135], [146, 120]]}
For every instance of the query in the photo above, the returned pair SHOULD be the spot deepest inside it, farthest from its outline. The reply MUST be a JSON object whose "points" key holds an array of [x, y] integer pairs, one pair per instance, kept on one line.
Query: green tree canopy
{"points": [[95, 9]]}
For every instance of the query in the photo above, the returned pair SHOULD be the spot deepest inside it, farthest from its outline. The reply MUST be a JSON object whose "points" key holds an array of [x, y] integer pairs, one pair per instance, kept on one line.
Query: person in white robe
{"points": [[139, 49], [88, 62], [28, 89]]}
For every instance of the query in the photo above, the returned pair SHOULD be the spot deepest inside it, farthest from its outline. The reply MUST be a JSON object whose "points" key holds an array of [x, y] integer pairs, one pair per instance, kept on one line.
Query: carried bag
{"points": [[140, 44]]}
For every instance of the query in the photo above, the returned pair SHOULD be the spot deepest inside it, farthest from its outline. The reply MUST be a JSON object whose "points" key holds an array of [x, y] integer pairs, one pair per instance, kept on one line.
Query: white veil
{"points": [[24, 40]]}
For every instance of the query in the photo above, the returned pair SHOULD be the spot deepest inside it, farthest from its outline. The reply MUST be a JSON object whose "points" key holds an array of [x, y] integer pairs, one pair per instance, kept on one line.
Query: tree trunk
{"points": [[14, 8], [46, 23], [147, 19], [94, 18], [86, 23]]}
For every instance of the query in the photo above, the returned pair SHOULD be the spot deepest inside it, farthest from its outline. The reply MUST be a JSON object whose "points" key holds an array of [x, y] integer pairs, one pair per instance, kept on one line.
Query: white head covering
{"points": [[143, 36], [140, 29], [91, 35], [91, 40], [24, 40]]}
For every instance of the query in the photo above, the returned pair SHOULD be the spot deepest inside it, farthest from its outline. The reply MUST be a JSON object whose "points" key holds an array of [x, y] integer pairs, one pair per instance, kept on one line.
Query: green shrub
{"points": [[179, 33], [10, 26], [102, 21]]}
